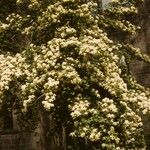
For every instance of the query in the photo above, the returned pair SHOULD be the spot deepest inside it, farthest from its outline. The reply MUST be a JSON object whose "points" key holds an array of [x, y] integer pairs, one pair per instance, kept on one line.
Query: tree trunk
{"points": [[50, 138]]}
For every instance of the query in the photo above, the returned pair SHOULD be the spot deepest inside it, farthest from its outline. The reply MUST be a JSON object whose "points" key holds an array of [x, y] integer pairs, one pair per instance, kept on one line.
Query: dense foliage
{"points": [[60, 55]]}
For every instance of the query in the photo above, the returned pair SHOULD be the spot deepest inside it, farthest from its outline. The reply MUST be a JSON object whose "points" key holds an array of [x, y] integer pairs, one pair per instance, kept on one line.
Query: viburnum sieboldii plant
{"points": [[70, 62]]}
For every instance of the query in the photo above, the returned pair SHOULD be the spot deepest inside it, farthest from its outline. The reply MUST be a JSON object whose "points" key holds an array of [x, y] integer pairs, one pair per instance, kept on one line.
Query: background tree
{"points": [[65, 60]]}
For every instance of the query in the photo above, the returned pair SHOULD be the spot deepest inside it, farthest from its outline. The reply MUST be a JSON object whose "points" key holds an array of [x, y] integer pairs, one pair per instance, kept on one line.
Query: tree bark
{"points": [[50, 138]]}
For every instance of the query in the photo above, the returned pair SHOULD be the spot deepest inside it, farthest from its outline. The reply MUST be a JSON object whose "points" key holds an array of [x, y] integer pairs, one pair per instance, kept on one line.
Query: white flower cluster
{"points": [[15, 21], [70, 73], [139, 99], [132, 124], [3, 26], [80, 108], [51, 15], [50, 96], [9, 69], [66, 31], [121, 11], [34, 4], [115, 83], [109, 109], [43, 62], [5, 72], [138, 53], [115, 1], [103, 115], [125, 26], [68, 0], [72, 41], [95, 135], [107, 106]]}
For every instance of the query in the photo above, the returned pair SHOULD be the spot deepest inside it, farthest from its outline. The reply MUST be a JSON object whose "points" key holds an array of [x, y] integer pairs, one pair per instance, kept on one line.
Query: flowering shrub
{"points": [[71, 68]]}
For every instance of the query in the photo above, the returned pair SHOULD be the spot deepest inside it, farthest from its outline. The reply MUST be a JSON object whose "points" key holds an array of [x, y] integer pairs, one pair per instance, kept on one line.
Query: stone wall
{"points": [[13, 140], [16, 142], [141, 70]]}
